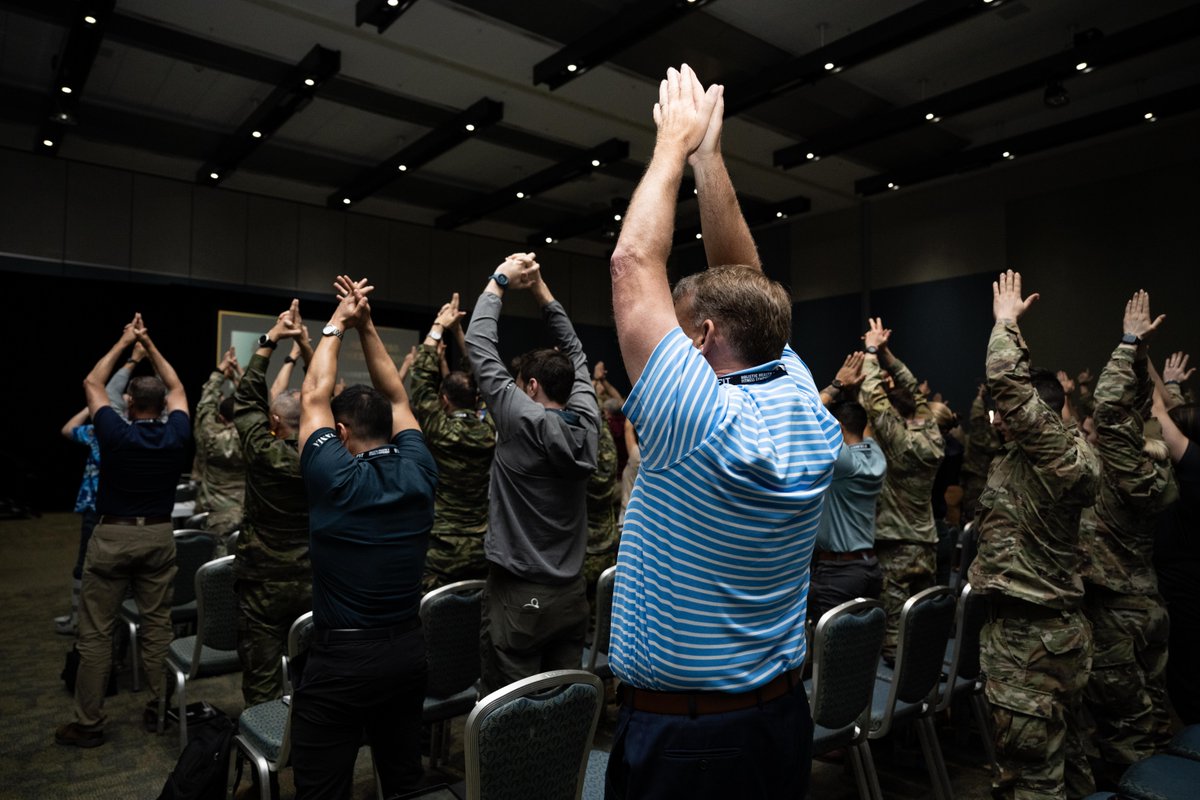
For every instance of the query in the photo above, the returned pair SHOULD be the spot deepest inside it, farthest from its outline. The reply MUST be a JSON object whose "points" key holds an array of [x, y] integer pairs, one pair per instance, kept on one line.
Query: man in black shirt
{"points": [[132, 545], [370, 482]]}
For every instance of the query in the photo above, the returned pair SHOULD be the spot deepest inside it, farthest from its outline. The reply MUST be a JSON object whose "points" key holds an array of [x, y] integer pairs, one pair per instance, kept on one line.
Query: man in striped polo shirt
{"points": [[737, 449]]}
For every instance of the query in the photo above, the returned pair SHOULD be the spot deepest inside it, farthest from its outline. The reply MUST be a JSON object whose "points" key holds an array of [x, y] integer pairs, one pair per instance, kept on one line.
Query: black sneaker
{"points": [[73, 735]]}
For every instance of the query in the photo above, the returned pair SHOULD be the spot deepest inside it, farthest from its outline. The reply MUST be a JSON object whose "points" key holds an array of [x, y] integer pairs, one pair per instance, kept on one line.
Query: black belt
{"points": [[106, 519], [698, 704], [326, 635], [853, 555]]}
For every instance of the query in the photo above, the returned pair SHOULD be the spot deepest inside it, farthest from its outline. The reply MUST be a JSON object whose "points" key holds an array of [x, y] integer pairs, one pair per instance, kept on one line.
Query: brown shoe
{"points": [[75, 736]]}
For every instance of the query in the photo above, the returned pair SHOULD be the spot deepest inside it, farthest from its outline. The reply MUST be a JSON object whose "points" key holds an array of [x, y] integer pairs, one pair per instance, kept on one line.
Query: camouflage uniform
{"points": [[905, 534], [603, 502], [274, 576], [1174, 395], [1126, 691], [982, 445], [462, 444], [218, 470], [1037, 648]]}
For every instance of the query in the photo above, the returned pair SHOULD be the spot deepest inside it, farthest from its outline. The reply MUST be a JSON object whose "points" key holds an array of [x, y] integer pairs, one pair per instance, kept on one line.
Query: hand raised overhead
{"points": [[1137, 315], [1006, 297], [353, 308], [683, 111], [877, 335], [851, 371], [449, 315], [1176, 368], [521, 269]]}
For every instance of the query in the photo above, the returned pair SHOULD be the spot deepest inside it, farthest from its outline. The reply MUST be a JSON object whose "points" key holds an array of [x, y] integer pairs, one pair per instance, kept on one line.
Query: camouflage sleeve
{"points": [[210, 399], [889, 428], [1122, 399], [904, 377], [1036, 428], [426, 382], [250, 407]]}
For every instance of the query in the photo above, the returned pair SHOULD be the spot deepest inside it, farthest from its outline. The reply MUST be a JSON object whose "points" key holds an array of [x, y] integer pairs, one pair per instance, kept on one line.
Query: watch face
{"points": [[330, 330], [501, 279]]}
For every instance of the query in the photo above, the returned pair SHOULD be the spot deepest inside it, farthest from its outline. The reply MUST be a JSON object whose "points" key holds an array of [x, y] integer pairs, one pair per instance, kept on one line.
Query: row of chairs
{"points": [[1173, 775]]}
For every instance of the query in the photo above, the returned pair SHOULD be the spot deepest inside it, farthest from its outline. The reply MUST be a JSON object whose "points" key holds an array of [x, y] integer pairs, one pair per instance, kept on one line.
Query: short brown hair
{"points": [[755, 312]]}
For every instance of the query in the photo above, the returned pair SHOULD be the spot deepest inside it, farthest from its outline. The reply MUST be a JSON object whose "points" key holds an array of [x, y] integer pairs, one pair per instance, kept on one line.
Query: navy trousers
{"points": [[759, 753]]}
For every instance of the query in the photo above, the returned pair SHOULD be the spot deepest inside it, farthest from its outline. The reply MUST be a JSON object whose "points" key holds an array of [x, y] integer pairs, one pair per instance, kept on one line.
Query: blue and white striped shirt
{"points": [[712, 575]]}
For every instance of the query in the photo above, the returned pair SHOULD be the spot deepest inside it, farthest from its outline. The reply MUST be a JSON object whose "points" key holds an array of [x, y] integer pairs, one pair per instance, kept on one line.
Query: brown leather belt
{"points": [[105, 519], [854, 555], [1007, 606], [698, 704]]}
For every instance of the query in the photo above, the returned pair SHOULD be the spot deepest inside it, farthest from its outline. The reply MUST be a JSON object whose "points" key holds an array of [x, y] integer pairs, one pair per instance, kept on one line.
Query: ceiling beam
{"points": [[892, 33], [1094, 52], [440, 140], [757, 213], [293, 93], [380, 13], [1140, 112], [536, 184], [82, 43], [633, 23], [606, 221]]}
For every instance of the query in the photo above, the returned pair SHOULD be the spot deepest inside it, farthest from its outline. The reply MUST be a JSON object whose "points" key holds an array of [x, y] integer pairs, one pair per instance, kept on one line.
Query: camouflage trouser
{"points": [[593, 565], [908, 568], [453, 558], [223, 522], [1126, 692], [1036, 671], [266, 611]]}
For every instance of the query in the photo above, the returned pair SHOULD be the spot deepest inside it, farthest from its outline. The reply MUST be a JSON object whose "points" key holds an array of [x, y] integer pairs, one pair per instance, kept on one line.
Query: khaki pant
{"points": [[120, 557]]}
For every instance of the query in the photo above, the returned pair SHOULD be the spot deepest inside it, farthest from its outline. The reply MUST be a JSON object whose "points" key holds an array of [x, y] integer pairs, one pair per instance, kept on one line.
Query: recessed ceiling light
{"points": [[810, 156], [469, 127], [699, 236], [256, 134], [617, 217], [572, 67], [89, 19], [403, 168], [64, 116], [309, 82], [213, 175], [595, 162], [393, 3], [66, 90], [1081, 66], [549, 240], [829, 65], [520, 195], [1008, 155], [1151, 118], [48, 142], [346, 201], [930, 116]]}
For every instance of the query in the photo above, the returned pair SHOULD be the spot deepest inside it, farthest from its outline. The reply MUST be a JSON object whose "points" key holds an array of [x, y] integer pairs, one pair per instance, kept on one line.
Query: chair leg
{"points": [[181, 697], [860, 770], [435, 743], [263, 770], [135, 657], [872, 777], [375, 769], [934, 761], [235, 756], [983, 718]]}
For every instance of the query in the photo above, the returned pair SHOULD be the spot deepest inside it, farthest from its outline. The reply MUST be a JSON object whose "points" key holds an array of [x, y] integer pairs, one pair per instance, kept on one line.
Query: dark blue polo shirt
{"points": [[369, 519], [140, 462]]}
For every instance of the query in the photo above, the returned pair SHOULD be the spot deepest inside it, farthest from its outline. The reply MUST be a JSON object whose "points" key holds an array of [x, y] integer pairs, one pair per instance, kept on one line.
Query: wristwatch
{"points": [[265, 341], [435, 335], [500, 279], [331, 330], [1130, 338], [872, 349]]}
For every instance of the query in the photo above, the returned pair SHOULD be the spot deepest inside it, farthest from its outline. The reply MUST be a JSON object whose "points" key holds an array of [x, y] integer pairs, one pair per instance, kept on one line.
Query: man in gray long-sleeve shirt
{"points": [[535, 606]]}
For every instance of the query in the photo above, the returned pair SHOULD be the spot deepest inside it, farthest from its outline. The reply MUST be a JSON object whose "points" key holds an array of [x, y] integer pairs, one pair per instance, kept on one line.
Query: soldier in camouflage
{"points": [[905, 534], [219, 471], [603, 505], [1036, 648], [274, 575], [983, 443], [463, 445], [1126, 692]]}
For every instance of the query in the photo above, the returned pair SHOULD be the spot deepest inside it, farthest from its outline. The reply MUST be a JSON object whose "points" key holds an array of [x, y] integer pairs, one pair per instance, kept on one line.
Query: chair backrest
{"points": [[216, 609], [299, 638], [531, 739], [231, 542], [451, 616], [193, 549], [604, 602], [846, 650], [925, 621], [196, 520], [964, 658], [969, 539]]}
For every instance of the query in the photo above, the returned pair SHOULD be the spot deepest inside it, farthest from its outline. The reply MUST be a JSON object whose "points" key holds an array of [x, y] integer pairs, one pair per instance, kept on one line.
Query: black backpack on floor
{"points": [[203, 766]]}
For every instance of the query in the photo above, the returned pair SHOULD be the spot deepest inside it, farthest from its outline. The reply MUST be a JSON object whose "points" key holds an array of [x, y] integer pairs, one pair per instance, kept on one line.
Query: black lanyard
{"points": [[760, 376]]}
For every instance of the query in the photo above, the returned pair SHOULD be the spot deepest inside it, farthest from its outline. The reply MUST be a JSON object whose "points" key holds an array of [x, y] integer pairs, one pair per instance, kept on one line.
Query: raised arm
{"points": [[94, 383], [642, 303], [727, 238], [115, 389], [1175, 372], [483, 335], [176, 399], [583, 395], [317, 390], [889, 427], [74, 422], [848, 378], [604, 389]]}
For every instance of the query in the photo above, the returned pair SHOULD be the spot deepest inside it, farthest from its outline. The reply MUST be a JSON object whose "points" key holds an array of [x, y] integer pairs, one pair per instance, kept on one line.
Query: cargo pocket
{"points": [[1021, 716]]}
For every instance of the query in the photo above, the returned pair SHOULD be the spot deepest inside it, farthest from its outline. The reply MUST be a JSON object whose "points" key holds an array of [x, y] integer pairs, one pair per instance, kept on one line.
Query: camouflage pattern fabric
{"points": [[219, 469], [266, 611], [913, 449], [273, 544], [453, 558], [462, 444], [1174, 395], [1036, 671], [1126, 691], [908, 568], [983, 443], [1029, 513]]}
